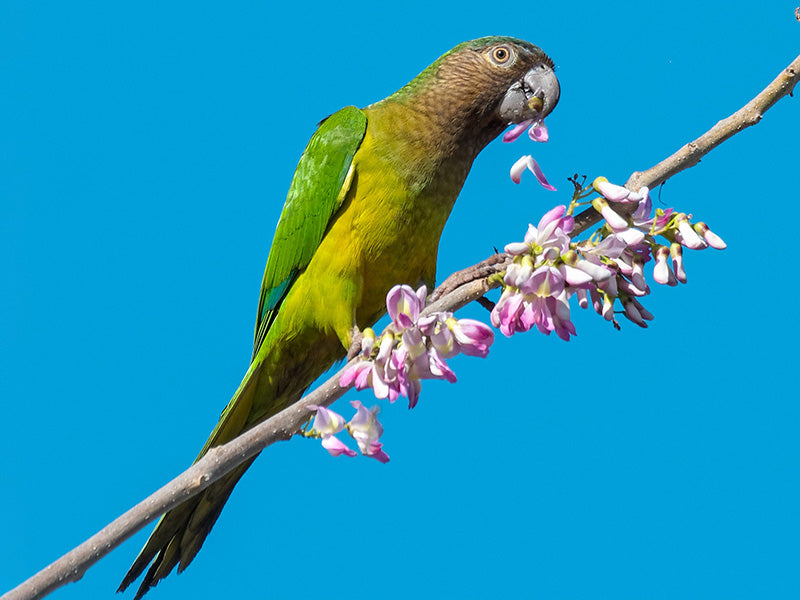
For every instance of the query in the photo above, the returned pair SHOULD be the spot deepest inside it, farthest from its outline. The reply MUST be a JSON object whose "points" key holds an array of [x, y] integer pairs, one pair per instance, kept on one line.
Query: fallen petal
{"points": [[527, 162]]}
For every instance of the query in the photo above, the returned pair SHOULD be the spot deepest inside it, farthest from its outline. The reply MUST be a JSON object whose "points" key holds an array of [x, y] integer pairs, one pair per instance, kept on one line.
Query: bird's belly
{"points": [[396, 242]]}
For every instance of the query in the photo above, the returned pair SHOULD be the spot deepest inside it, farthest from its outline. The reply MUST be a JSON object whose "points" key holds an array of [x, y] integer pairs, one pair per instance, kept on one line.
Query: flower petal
{"points": [[512, 134], [403, 305], [327, 422], [689, 237], [375, 451], [575, 276], [527, 162], [336, 447], [538, 132], [711, 238], [473, 337], [612, 191]]}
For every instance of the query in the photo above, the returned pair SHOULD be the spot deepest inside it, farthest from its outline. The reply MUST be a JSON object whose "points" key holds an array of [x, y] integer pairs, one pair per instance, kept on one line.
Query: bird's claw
{"points": [[355, 343]]}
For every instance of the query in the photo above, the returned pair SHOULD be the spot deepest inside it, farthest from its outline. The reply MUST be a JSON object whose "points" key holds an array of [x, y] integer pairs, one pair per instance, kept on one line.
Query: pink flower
{"points": [[614, 220], [687, 236], [326, 425], [676, 252], [437, 329], [597, 271], [661, 272], [326, 422], [519, 271], [404, 304], [437, 366], [577, 277], [545, 281], [637, 276], [711, 238], [541, 301], [610, 191], [451, 336], [505, 314], [367, 374], [418, 352], [408, 386], [549, 238], [367, 341], [618, 193], [632, 311], [366, 430], [561, 318], [473, 337]]}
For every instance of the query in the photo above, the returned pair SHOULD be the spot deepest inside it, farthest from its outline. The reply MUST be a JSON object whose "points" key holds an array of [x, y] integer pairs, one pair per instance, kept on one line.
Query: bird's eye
{"points": [[500, 55]]}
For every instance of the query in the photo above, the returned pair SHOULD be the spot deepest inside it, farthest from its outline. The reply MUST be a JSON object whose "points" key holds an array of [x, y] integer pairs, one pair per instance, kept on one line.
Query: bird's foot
{"points": [[355, 343]]}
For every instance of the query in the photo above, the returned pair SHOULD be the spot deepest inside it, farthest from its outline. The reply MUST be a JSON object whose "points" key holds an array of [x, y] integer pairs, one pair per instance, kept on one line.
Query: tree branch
{"points": [[456, 291], [690, 154]]}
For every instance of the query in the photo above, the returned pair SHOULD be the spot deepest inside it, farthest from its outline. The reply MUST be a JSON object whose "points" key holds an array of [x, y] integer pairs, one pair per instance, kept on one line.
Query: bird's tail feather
{"points": [[180, 533]]}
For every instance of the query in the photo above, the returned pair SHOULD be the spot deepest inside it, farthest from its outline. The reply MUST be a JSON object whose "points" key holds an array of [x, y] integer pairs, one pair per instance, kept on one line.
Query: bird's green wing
{"points": [[318, 188]]}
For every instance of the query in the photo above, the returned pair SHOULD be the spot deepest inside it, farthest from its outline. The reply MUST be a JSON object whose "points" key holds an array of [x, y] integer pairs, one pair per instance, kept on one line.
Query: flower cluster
{"points": [[364, 428], [549, 268], [413, 348]]}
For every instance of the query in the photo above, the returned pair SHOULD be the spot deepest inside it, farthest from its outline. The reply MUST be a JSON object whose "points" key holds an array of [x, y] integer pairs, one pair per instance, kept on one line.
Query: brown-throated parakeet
{"points": [[365, 211]]}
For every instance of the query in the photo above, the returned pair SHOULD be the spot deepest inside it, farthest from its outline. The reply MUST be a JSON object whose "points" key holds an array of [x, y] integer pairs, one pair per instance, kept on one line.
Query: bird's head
{"points": [[520, 76], [481, 86]]}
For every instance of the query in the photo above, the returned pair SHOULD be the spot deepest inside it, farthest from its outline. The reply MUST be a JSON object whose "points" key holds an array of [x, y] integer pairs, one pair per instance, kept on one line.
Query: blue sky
{"points": [[145, 152]]}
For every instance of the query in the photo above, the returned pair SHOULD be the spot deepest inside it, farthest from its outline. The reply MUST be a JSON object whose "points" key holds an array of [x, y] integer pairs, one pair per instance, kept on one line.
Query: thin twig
{"points": [[458, 290], [690, 154]]}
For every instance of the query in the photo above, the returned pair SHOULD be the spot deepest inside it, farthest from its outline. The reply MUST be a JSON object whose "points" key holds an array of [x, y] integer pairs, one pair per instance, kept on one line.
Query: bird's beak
{"points": [[531, 98]]}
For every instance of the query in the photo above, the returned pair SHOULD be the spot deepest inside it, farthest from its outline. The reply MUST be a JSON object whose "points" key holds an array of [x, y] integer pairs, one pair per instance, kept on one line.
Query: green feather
{"points": [[316, 193]]}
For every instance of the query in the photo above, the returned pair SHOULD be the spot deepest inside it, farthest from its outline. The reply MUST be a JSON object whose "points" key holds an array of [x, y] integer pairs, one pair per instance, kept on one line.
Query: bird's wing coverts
{"points": [[317, 191]]}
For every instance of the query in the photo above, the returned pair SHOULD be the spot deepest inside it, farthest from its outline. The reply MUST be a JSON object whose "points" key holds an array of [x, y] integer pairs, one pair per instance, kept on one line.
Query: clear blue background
{"points": [[145, 152]]}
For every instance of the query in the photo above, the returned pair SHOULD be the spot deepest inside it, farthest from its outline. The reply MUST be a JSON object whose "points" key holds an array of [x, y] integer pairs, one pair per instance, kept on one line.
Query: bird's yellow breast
{"points": [[385, 233]]}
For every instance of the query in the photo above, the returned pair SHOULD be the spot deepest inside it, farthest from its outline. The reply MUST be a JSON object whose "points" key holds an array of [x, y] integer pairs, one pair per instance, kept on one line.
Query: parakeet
{"points": [[365, 211]]}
